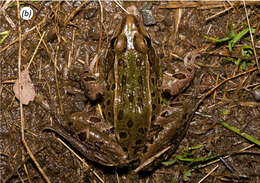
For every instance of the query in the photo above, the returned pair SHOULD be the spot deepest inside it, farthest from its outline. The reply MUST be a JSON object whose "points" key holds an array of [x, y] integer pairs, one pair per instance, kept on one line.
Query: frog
{"points": [[130, 127]]}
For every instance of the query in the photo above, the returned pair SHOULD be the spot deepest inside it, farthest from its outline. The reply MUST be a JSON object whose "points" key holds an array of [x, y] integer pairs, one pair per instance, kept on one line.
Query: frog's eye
{"points": [[119, 43], [142, 43]]}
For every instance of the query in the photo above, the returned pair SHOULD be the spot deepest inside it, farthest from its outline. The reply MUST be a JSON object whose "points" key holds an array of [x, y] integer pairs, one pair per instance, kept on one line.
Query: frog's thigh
{"points": [[78, 120], [92, 142], [167, 140]]}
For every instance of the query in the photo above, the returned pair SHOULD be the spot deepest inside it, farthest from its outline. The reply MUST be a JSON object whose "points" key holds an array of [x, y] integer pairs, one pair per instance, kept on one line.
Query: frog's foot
{"points": [[178, 77], [173, 126], [90, 84]]}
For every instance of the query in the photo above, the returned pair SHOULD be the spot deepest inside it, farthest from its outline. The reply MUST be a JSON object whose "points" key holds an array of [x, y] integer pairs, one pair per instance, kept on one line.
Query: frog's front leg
{"points": [[177, 77], [91, 142]]}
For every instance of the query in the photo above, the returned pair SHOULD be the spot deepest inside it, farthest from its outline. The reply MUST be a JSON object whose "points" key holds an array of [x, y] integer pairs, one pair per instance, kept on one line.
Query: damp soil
{"points": [[75, 34]]}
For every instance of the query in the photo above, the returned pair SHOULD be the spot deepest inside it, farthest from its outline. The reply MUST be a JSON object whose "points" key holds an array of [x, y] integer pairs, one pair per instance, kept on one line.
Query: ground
{"points": [[224, 87]]}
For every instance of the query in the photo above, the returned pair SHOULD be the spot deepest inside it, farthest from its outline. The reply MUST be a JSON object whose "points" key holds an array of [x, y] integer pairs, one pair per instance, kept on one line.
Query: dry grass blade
{"points": [[57, 81], [82, 160], [74, 12], [219, 13], [188, 4], [223, 82], [35, 51], [24, 35], [21, 105], [121, 6], [252, 40], [211, 171]]}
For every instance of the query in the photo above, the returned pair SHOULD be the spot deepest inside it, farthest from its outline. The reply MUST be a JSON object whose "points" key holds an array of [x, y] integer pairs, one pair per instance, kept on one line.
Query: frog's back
{"points": [[132, 84]]}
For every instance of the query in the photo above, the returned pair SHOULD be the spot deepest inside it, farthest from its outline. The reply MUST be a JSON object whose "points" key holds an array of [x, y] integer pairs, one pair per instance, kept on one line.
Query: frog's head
{"points": [[130, 34]]}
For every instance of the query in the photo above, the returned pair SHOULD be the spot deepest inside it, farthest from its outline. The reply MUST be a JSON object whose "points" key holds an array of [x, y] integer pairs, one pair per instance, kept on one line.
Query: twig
{"points": [[47, 49], [101, 26], [74, 12], [8, 19], [24, 35], [16, 169], [252, 40], [21, 105], [221, 83], [219, 13], [211, 171], [121, 6], [35, 51], [227, 156], [82, 160], [56, 80]]}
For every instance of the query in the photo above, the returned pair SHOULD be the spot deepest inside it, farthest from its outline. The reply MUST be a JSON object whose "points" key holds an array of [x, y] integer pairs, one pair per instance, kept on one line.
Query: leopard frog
{"points": [[131, 129]]}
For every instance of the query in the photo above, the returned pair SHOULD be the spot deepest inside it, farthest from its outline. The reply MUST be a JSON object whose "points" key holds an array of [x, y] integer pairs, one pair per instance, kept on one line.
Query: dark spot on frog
{"points": [[130, 123], [113, 86], [179, 76], [166, 94], [140, 80], [159, 100], [108, 87], [189, 69], [82, 136], [185, 116], [88, 78], [70, 123], [140, 102], [120, 115], [123, 80], [122, 135], [141, 130], [122, 63], [153, 81], [131, 97], [140, 99], [108, 102], [153, 106], [138, 142], [145, 149], [109, 114], [94, 119], [164, 114], [138, 61]]}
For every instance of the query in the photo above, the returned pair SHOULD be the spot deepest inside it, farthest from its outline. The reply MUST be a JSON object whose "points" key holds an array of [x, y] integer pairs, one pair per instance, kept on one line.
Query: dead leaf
{"points": [[27, 88]]}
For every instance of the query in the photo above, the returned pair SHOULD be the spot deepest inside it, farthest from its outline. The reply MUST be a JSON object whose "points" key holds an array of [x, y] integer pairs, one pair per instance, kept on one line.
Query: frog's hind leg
{"points": [[90, 140], [94, 146], [173, 128]]}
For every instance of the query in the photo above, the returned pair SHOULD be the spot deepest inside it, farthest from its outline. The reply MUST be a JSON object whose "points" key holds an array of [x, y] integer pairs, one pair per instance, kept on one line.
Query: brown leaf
{"points": [[27, 88]]}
